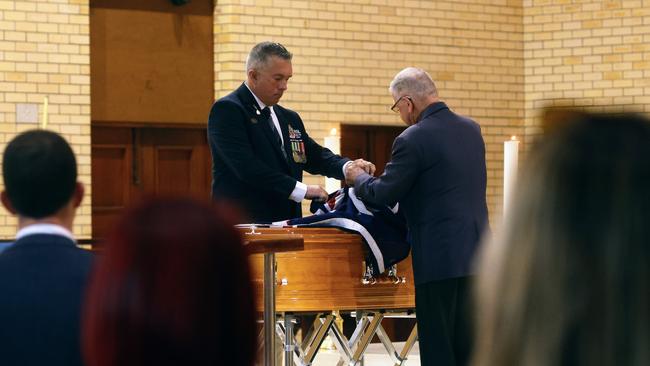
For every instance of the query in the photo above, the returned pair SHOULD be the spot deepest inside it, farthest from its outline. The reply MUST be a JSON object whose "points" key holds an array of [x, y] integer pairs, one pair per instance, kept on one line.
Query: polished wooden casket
{"points": [[327, 274]]}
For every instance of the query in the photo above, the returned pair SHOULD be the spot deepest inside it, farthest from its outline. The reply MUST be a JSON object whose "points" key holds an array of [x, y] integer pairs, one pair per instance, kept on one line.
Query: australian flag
{"points": [[383, 228]]}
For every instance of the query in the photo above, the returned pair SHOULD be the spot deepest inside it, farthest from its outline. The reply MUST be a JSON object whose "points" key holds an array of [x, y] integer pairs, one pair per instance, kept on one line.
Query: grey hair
{"points": [[261, 52], [414, 82]]}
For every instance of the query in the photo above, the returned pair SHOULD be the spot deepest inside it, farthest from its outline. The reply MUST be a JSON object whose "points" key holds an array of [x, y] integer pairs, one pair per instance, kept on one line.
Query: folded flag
{"points": [[383, 229]]}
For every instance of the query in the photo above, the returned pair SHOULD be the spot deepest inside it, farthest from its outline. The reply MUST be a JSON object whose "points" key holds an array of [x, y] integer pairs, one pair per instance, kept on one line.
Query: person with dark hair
{"points": [[43, 274], [172, 287], [260, 149], [437, 174], [566, 282]]}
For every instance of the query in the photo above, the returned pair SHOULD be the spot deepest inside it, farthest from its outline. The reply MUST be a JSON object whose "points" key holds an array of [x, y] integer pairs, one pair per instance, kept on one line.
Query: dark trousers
{"points": [[444, 322]]}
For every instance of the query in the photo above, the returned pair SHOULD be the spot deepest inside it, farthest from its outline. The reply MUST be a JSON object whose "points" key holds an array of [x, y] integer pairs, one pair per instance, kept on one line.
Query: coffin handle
{"points": [[367, 278], [392, 275]]}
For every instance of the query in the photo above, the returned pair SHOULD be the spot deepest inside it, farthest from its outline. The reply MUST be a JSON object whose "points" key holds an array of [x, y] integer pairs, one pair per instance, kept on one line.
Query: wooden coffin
{"points": [[327, 275]]}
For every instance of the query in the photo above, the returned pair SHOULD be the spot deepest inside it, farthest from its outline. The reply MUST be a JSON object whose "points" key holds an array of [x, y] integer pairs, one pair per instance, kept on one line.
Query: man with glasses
{"points": [[437, 173], [260, 149]]}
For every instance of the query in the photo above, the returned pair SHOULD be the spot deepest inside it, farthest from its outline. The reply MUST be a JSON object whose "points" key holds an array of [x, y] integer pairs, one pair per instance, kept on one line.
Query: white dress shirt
{"points": [[49, 229]]}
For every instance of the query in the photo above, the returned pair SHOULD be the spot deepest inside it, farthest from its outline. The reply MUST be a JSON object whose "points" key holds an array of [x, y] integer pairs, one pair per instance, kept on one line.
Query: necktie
{"points": [[266, 113]]}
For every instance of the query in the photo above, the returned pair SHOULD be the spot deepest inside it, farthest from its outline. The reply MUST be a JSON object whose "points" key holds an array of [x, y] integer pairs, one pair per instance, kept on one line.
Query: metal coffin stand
{"points": [[328, 275], [351, 350]]}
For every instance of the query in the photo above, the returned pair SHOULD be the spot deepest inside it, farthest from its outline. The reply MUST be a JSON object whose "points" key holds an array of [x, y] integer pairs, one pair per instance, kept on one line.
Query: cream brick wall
{"points": [[497, 62], [589, 54], [346, 52], [44, 51]]}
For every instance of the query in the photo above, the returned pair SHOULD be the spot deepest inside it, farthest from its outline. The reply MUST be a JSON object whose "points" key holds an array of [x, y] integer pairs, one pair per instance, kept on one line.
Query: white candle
{"points": [[510, 162], [333, 142], [44, 119]]}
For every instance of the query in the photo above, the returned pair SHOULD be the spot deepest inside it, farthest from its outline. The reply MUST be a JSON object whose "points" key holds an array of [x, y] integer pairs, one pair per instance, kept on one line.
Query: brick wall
{"points": [[589, 54], [498, 62], [347, 52], [44, 51]]}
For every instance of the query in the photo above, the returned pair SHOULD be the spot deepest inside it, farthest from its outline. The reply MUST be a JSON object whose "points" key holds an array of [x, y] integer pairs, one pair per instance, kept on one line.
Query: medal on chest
{"points": [[297, 146]]}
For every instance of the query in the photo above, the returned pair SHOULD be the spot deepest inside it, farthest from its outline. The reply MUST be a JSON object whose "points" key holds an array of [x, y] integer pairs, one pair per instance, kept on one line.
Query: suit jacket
{"points": [[248, 166], [437, 173], [42, 283]]}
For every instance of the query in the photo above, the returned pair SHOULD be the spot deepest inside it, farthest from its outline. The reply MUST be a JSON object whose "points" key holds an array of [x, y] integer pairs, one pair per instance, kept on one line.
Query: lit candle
{"points": [[44, 119], [510, 160], [333, 142]]}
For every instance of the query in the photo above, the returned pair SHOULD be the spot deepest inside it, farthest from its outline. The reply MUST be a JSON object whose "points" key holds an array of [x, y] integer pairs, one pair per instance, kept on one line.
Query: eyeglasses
{"points": [[394, 108]]}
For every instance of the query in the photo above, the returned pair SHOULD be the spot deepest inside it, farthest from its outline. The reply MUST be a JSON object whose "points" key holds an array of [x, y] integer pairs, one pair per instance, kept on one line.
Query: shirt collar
{"points": [[49, 229], [258, 100]]}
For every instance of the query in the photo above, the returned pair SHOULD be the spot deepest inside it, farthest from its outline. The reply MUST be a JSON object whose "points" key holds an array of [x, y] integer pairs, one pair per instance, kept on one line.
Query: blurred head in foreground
{"points": [[567, 281], [172, 288]]}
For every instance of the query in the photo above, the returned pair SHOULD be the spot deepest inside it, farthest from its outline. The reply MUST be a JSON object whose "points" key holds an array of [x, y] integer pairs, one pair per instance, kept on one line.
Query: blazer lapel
{"points": [[272, 136], [255, 114], [251, 106], [284, 125]]}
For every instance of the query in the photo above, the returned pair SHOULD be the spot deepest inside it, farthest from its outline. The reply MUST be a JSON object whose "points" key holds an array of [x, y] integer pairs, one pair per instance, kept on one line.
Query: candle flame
{"points": [[513, 138], [333, 132]]}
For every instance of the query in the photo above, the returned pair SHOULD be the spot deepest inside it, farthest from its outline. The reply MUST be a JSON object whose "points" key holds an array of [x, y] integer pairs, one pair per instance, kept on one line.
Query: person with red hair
{"points": [[172, 287]]}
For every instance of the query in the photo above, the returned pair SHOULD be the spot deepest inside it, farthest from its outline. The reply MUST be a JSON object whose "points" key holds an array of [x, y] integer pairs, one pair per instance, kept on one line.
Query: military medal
{"points": [[294, 134], [297, 146]]}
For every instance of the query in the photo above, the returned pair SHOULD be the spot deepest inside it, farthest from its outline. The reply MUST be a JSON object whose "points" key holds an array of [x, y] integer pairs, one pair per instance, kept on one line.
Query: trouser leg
{"points": [[443, 322]]}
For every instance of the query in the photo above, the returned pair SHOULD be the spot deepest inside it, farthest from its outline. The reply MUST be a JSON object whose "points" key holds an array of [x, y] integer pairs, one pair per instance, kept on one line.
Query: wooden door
{"points": [[372, 143], [175, 162], [129, 163]]}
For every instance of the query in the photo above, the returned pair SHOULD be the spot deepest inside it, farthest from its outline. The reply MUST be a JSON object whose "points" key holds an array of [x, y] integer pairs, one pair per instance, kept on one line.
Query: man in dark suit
{"points": [[43, 274], [437, 173], [260, 149]]}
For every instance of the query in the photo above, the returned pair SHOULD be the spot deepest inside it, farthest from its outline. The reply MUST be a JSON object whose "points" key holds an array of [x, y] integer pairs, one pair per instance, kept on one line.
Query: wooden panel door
{"points": [[129, 163], [175, 162], [373, 143], [112, 175]]}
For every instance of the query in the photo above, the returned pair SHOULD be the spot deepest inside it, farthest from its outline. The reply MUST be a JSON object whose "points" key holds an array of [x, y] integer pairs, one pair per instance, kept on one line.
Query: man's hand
{"points": [[316, 193], [356, 168], [352, 171], [367, 166]]}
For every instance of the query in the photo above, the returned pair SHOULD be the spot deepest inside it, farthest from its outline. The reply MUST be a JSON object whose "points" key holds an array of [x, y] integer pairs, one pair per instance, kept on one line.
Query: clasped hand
{"points": [[356, 168], [352, 170]]}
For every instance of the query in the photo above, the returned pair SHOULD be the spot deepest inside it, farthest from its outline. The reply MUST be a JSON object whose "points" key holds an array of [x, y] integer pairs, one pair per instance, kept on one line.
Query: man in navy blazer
{"points": [[43, 274], [437, 173], [260, 149]]}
